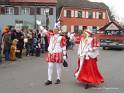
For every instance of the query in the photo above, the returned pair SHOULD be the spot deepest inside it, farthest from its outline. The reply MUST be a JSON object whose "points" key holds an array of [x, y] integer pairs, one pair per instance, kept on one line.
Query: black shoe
{"points": [[86, 86], [48, 82], [57, 81]]}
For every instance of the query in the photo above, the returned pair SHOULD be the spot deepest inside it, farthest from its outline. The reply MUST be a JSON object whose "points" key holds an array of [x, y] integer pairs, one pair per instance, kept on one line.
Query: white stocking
{"points": [[50, 71], [58, 67]]}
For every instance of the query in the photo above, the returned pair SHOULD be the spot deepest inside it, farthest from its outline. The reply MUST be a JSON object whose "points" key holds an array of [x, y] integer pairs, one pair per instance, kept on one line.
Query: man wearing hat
{"points": [[87, 71], [56, 55]]}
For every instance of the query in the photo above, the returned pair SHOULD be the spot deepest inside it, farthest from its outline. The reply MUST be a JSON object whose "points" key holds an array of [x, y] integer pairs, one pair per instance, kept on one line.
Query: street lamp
{"points": [[47, 17]]}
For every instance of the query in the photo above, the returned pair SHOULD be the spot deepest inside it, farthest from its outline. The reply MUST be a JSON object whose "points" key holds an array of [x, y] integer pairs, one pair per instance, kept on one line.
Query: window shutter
{"points": [[42, 11], [72, 13], [80, 28], [86, 14], [97, 15], [16, 11], [94, 15], [104, 17], [72, 28], [83, 14], [76, 13], [50, 11], [65, 13]]}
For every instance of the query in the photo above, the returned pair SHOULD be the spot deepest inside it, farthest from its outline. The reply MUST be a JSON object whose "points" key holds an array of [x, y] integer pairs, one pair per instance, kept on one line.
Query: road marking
{"points": [[107, 88]]}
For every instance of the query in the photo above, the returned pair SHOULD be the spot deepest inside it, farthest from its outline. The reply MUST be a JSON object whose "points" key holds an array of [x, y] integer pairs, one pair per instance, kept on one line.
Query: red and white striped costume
{"points": [[57, 49]]}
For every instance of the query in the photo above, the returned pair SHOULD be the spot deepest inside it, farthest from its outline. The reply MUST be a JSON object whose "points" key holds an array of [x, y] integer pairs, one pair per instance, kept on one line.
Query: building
{"points": [[77, 15], [111, 35], [24, 13]]}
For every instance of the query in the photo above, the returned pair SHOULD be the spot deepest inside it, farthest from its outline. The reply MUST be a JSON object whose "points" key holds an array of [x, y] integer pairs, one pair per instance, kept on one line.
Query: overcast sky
{"points": [[117, 6]]}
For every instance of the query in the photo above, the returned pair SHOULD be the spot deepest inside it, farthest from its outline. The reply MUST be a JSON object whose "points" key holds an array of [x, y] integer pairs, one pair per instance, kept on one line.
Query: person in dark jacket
{"points": [[20, 43], [0, 46], [7, 43]]}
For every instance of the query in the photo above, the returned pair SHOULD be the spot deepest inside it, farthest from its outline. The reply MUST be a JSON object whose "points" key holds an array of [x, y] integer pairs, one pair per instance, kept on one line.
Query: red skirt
{"points": [[55, 57], [89, 72]]}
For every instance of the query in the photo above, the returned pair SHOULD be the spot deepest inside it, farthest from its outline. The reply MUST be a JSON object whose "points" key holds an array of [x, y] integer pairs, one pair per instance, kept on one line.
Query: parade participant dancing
{"points": [[87, 71]]}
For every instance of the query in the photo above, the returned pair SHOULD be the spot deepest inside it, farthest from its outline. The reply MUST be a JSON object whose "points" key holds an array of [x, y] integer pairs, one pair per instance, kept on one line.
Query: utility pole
{"points": [[35, 16]]}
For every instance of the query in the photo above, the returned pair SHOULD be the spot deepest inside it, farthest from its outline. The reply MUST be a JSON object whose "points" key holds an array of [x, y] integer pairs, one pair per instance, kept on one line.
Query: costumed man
{"points": [[87, 71], [56, 55]]}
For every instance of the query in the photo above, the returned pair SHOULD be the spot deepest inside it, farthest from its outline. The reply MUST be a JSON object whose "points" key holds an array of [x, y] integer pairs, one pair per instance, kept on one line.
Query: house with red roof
{"points": [[77, 15]]}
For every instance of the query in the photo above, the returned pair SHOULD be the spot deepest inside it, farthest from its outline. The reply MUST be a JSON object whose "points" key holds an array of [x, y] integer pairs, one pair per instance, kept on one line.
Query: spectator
{"points": [[0, 46], [20, 43], [7, 43]]}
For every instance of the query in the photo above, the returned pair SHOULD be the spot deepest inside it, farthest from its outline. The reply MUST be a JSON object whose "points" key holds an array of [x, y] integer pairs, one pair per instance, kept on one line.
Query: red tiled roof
{"points": [[31, 1]]}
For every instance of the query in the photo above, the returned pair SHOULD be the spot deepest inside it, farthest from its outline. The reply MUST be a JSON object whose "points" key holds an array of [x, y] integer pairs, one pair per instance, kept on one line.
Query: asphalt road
{"points": [[28, 75]]}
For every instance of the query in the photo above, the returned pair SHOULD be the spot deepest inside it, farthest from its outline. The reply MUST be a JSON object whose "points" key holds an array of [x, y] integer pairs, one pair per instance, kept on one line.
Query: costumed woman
{"points": [[87, 71]]}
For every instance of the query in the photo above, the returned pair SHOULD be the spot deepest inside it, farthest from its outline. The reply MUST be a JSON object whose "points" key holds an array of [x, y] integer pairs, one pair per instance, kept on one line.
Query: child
{"points": [[13, 51]]}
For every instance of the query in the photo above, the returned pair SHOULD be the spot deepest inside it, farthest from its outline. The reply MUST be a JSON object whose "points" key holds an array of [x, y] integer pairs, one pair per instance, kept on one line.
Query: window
{"points": [[79, 14], [32, 11], [122, 32], [38, 11], [2, 10], [84, 27], [76, 29], [94, 29], [25, 11], [90, 14], [72, 13], [18, 21], [16, 11], [68, 13], [100, 15], [50, 11], [9, 10]]}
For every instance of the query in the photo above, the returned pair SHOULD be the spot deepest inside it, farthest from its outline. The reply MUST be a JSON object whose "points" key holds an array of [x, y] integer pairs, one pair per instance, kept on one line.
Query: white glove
{"points": [[64, 57], [41, 28]]}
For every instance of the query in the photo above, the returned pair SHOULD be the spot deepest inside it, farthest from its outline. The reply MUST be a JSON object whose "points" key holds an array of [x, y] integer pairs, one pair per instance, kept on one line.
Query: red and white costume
{"points": [[57, 49], [87, 70], [49, 35], [56, 53]]}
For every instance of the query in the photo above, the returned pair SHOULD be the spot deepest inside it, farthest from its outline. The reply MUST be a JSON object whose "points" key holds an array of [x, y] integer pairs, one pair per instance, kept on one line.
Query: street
{"points": [[28, 75]]}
